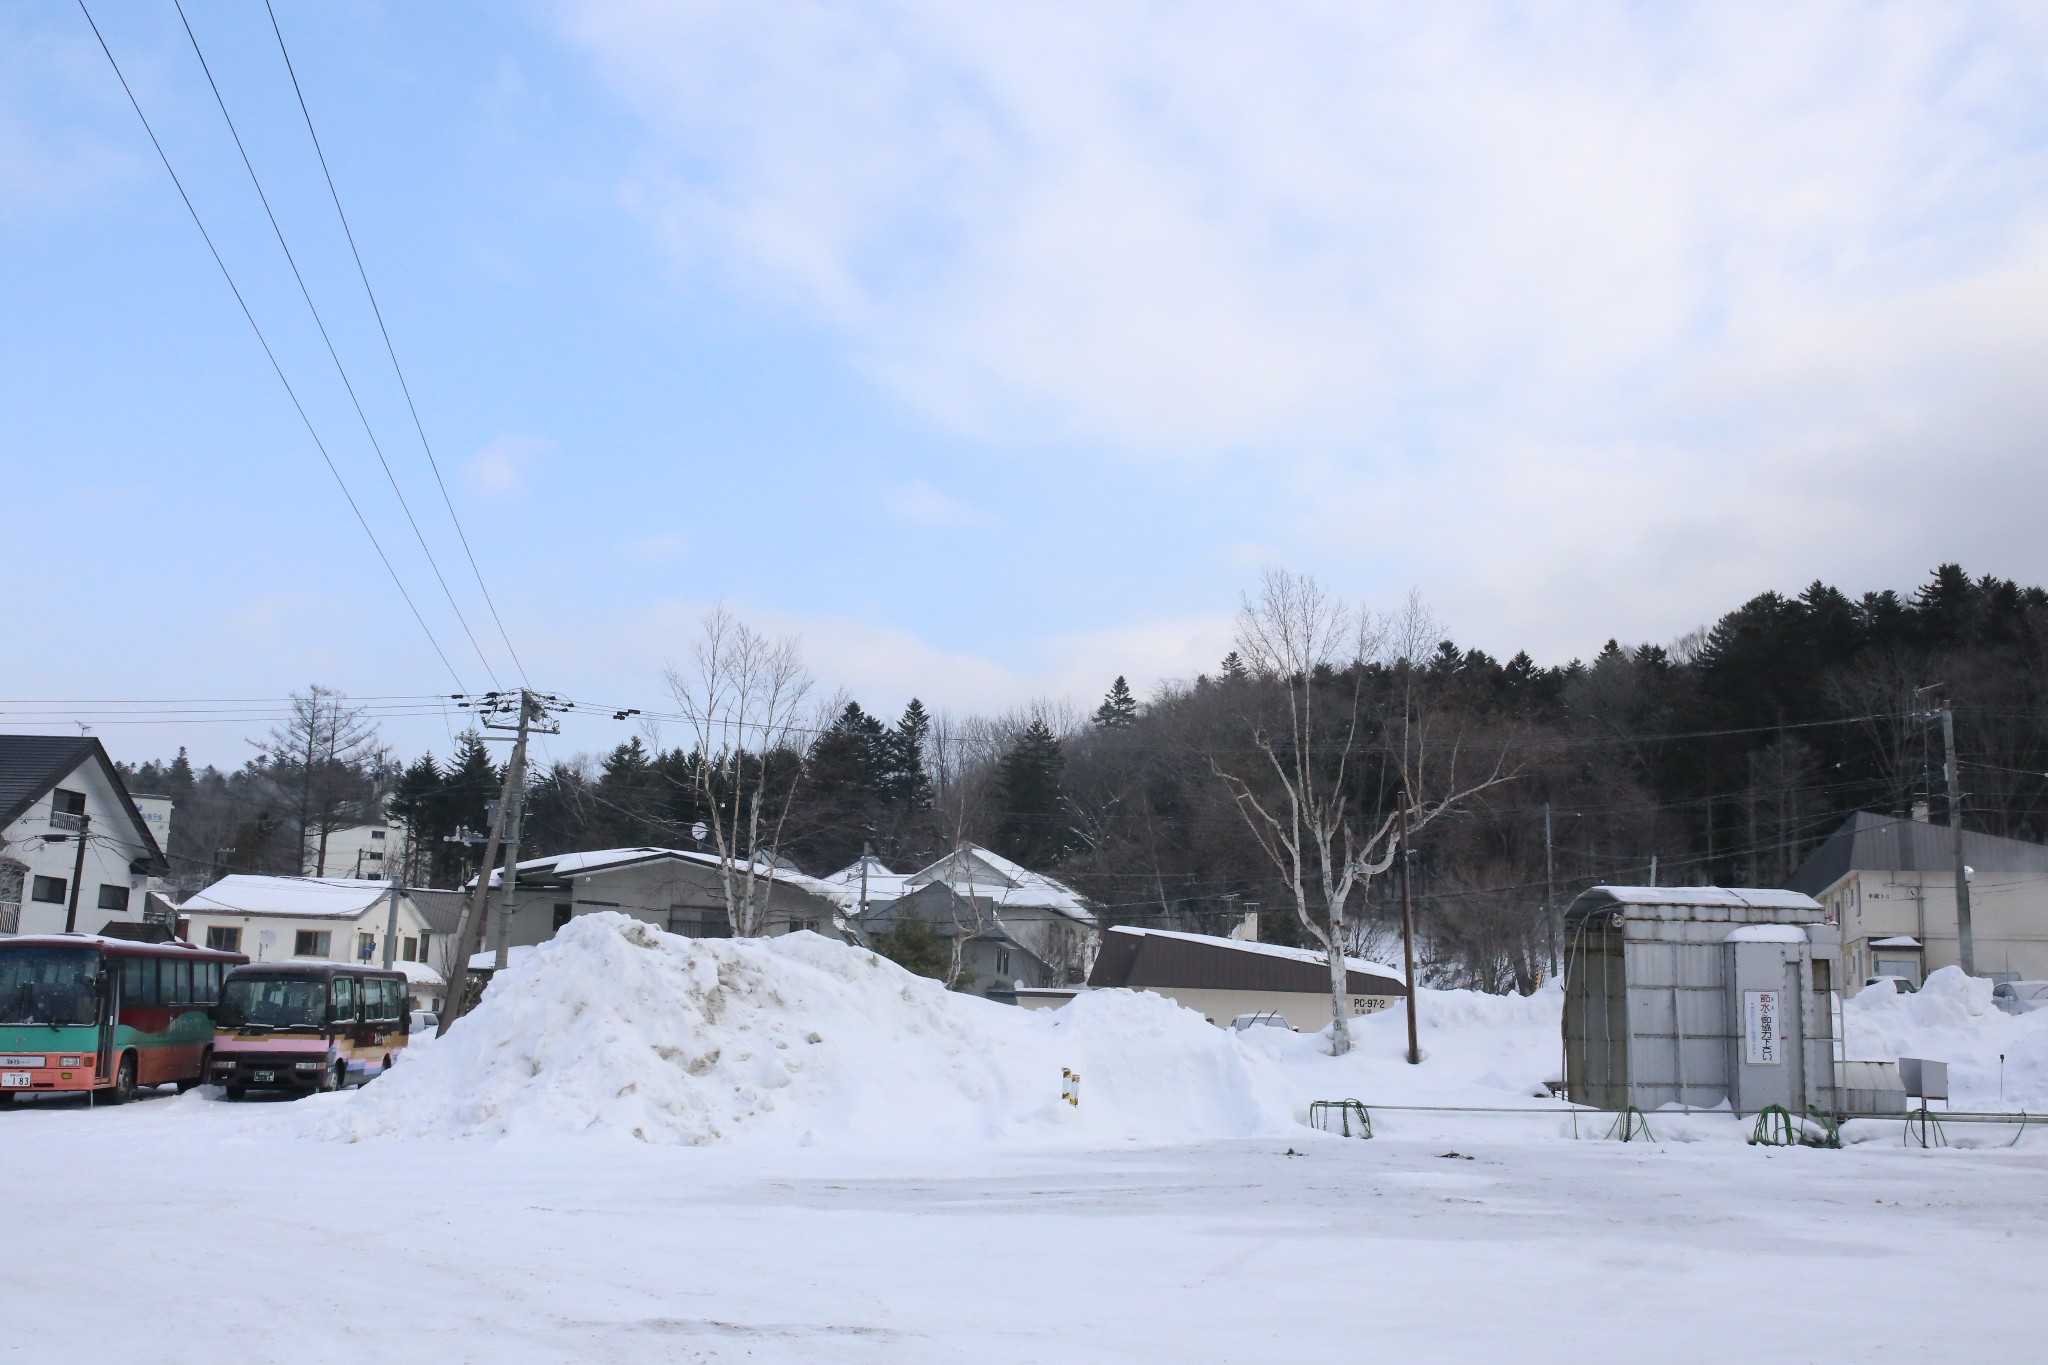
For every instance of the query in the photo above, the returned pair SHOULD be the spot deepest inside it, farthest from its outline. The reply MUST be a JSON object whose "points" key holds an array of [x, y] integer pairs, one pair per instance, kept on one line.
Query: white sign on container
{"points": [[1760, 1009]]}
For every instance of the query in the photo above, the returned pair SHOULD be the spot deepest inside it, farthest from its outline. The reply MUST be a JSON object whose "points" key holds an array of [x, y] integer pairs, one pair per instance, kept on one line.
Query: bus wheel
{"points": [[124, 1081], [335, 1079], [235, 1093]]}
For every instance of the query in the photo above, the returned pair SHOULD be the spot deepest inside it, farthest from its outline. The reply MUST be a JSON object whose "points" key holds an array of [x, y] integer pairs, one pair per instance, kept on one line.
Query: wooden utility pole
{"points": [[532, 706], [1966, 945], [1550, 919], [1408, 931], [77, 875]]}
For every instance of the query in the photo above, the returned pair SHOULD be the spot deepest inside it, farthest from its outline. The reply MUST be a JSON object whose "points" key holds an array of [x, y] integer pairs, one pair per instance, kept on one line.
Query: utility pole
{"points": [[77, 875], [1408, 930], [531, 706], [391, 927], [1550, 917], [1966, 945]]}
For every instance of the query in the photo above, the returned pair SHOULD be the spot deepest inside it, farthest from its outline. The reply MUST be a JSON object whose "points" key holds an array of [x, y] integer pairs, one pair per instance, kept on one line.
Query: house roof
{"points": [[1141, 958], [557, 868], [1732, 897], [442, 910], [340, 898], [986, 875], [1869, 842], [882, 884], [31, 765]]}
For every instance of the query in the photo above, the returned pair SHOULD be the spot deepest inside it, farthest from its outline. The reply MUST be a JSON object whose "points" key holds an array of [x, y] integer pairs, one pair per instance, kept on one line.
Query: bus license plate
{"points": [[14, 1080], [263, 1075]]}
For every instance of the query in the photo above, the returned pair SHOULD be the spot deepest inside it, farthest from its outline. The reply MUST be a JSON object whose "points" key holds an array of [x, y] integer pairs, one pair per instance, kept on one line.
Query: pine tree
{"points": [[420, 803], [1119, 708], [1233, 668], [1034, 823]]}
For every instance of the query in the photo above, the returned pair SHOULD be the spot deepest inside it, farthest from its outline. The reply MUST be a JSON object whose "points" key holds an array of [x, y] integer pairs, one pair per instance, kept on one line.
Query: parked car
{"points": [[425, 1021], [1265, 1019], [1895, 985], [2020, 997]]}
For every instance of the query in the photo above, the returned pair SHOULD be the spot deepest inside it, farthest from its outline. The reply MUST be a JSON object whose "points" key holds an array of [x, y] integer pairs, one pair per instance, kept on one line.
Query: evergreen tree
{"points": [[1233, 668], [420, 803], [1119, 709], [1034, 823]]}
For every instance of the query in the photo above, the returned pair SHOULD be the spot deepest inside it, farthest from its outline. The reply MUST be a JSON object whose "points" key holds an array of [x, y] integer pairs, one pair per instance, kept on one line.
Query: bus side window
{"points": [[131, 980], [391, 1010], [344, 999], [213, 975], [150, 995], [182, 992]]}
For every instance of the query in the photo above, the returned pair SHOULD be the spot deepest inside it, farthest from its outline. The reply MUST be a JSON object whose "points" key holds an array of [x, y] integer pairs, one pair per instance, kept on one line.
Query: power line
{"points": [[270, 354], [389, 349], [332, 354]]}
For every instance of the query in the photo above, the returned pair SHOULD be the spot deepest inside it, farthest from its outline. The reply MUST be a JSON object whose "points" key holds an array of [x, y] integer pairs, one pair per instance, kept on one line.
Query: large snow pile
{"points": [[1951, 1019], [617, 1027]]}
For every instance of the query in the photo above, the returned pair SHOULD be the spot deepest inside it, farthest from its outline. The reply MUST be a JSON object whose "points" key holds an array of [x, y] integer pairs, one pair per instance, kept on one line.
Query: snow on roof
{"points": [[1356, 964], [882, 884], [287, 897], [1896, 941], [77, 940], [598, 860], [1766, 933], [1011, 886], [1757, 898]]}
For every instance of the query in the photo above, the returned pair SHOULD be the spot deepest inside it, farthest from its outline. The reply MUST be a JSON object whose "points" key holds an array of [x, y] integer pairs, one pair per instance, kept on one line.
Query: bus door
{"points": [[109, 995]]}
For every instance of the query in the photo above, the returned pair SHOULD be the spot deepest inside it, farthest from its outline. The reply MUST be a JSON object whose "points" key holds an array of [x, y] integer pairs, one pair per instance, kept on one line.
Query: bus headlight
{"points": [[67, 1061], [223, 1064], [307, 1066]]}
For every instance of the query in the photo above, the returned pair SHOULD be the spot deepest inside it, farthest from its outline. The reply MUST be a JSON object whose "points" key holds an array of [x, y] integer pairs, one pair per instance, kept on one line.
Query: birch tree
{"points": [[744, 697], [1335, 755]]}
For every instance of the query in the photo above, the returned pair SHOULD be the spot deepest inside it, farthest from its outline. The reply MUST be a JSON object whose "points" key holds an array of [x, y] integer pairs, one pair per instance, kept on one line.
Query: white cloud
{"points": [[500, 469], [920, 504], [1573, 314]]}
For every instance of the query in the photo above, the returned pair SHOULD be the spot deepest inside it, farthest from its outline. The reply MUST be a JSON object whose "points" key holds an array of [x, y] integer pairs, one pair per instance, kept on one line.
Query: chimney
{"points": [[1920, 811]]}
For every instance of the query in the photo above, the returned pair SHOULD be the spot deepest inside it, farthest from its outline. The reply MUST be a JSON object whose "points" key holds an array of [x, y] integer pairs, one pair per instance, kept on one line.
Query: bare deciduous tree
{"points": [[328, 762], [1328, 776], [744, 699]]}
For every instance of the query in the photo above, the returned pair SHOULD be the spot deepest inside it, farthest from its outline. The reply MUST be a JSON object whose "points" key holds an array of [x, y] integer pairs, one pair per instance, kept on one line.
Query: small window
{"points": [[1823, 976], [51, 890], [563, 914], [376, 834], [345, 1000], [312, 943], [223, 940], [67, 802], [1002, 962], [409, 949], [424, 936], [113, 897], [366, 947]]}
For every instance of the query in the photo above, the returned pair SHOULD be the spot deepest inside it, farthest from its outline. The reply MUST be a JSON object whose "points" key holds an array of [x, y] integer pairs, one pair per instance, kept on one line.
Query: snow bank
{"points": [[617, 1027], [1951, 1019]]}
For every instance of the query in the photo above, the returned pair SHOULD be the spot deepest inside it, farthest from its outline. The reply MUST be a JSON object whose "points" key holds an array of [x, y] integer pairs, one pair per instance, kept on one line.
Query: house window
{"points": [[376, 834], [224, 940], [309, 943], [67, 809], [366, 947], [410, 949], [51, 889], [1002, 962], [425, 937], [563, 913], [798, 926], [113, 897]]}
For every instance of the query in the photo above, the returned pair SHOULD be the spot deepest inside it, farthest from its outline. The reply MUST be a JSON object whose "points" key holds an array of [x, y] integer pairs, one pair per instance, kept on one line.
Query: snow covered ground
{"points": [[911, 1191]]}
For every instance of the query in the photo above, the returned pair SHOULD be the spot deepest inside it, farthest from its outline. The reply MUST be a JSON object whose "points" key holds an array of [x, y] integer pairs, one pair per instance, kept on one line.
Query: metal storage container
{"points": [[1699, 996]]}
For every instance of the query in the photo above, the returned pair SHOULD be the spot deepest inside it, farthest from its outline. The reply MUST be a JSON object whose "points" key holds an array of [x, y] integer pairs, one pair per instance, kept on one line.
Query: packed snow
{"points": [[1951, 1019]]}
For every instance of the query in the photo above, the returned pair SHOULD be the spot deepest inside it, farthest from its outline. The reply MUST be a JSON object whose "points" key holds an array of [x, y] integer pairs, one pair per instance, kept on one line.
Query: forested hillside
{"points": [[1723, 757]]}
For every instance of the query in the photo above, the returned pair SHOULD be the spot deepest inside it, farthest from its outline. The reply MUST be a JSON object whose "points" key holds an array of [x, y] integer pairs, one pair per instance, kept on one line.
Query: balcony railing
{"points": [[64, 819]]}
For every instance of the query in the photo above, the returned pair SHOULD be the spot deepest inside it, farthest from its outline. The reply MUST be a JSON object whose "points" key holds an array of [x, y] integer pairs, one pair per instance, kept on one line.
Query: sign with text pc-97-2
{"points": [[1760, 1012]]}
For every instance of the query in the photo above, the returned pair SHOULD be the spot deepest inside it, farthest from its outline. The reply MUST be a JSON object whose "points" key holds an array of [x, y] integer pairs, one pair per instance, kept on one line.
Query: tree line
{"points": [[1723, 757]]}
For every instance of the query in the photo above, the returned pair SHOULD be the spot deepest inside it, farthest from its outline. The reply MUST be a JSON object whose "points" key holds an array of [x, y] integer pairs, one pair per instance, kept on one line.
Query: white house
{"points": [[1890, 883], [376, 849], [75, 853], [274, 919]]}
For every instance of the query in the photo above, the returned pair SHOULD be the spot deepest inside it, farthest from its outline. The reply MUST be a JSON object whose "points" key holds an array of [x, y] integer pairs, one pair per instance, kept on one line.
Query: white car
{"points": [[2020, 997], [1890, 985], [425, 1021], [1267, 1019]]}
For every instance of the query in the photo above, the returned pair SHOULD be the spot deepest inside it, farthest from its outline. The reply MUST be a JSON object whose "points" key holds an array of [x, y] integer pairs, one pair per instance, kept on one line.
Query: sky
{"points": [[992, 350]]}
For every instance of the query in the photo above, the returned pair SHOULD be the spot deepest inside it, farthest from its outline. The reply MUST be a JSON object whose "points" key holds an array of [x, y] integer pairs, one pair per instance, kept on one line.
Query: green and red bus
{"points": [[83, 1014]]}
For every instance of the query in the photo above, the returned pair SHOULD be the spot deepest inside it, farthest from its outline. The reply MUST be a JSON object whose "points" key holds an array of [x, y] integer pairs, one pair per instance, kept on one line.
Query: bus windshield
{"points": [[55, 986], [273, 1002]]}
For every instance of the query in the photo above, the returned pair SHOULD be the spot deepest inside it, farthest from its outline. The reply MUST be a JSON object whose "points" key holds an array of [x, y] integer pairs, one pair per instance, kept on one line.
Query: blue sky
{"points": [[995, 350]]}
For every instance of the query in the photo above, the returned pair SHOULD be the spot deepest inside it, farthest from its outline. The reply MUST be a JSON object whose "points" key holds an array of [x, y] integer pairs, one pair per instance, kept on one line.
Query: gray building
{"points": [[1890, 883], [678, 889], [1223, 978], [1014, 928]]}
